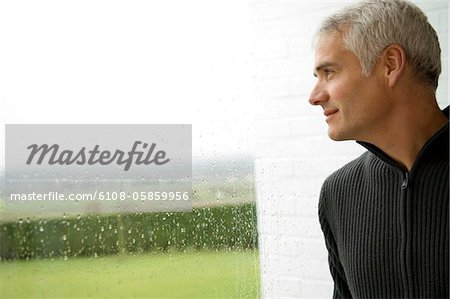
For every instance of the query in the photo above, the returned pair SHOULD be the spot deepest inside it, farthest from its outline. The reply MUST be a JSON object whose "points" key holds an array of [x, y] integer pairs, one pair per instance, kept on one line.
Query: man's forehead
{"points": [[329, 49], [328, 41]]}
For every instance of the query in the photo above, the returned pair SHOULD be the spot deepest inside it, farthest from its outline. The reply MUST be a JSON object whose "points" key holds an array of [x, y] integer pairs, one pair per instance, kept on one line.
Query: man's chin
{"points": [[337, 136]]}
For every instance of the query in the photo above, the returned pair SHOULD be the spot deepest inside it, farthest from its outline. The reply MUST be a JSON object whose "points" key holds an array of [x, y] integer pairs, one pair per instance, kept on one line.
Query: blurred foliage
{"points": [[221, 227], [229, 192]]}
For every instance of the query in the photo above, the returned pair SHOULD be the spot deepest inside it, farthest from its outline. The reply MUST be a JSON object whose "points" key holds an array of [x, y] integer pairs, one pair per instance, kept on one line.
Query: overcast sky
{"points": [[130, 62]]}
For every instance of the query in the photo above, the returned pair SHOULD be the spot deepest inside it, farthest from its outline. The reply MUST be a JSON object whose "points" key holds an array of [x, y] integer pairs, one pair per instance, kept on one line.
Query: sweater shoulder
{"points": [[337, 186], [347, 175], [350, 172], [345, 178]]}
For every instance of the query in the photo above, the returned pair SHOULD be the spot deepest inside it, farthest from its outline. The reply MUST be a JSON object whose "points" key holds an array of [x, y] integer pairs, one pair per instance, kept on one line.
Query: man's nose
{"points": [[318, 95]]}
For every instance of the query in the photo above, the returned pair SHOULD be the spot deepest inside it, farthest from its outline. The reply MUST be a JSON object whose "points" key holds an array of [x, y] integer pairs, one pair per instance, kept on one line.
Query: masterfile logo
{"points": [[149, 164], [94, 156]]}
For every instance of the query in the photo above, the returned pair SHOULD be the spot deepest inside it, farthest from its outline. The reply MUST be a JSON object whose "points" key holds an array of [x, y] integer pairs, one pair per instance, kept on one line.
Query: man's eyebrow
{"points": [[322, 66]]}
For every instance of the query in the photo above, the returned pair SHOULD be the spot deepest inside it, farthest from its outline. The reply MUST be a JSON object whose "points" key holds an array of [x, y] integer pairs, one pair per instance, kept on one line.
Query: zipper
{"points": [[405, 206], [405, 181]]}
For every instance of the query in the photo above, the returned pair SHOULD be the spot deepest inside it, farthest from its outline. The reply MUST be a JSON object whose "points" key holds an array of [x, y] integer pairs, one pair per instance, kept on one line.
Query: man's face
{"points": [[354, 106]]}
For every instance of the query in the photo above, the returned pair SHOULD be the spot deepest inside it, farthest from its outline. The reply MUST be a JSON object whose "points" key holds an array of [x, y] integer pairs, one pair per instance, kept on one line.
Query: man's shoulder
{"points": [[350, 172], [354, 173]]}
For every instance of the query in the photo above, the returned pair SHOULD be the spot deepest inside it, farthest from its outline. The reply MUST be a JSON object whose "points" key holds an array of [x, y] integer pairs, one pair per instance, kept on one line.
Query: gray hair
{"points": [[372, 25]]}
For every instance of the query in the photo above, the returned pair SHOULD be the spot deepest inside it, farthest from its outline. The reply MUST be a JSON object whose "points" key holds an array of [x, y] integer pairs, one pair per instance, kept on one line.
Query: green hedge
{"points": [[224, 227]]}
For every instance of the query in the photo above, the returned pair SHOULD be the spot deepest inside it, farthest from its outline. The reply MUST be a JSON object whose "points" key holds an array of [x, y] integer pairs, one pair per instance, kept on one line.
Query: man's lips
{"points": [[328, 112]]}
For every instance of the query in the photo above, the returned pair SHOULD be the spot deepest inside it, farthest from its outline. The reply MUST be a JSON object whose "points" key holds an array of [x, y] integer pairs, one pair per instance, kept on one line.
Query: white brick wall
{"points": [[294, 155]]}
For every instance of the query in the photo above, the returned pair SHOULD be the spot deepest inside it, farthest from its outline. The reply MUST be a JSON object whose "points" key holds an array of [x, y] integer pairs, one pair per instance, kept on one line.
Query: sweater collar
{"points": [[433, 144]]}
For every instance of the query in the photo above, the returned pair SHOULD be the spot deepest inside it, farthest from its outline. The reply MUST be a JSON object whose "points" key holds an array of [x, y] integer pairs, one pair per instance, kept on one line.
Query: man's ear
{"points": [[394, 63]]}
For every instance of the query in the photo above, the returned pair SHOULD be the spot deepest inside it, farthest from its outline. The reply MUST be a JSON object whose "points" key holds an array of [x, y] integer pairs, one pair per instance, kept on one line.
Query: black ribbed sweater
{"points": [[387, 230]]}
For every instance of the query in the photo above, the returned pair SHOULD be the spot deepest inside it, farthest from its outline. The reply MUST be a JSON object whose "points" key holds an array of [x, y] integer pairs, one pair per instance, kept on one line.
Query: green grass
{"points": [[193, 274]]}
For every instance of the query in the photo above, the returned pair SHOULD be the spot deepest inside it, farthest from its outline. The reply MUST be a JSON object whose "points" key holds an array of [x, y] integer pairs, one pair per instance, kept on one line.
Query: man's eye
{"points": [[328, 73]]}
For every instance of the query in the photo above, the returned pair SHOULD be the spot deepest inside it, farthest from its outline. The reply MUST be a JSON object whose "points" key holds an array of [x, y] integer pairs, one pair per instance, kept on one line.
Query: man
{"points": [[385, 214]]}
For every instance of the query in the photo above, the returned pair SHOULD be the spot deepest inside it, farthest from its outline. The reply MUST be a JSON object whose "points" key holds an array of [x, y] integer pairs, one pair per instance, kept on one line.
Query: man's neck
{"points": [[404, 137]]}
